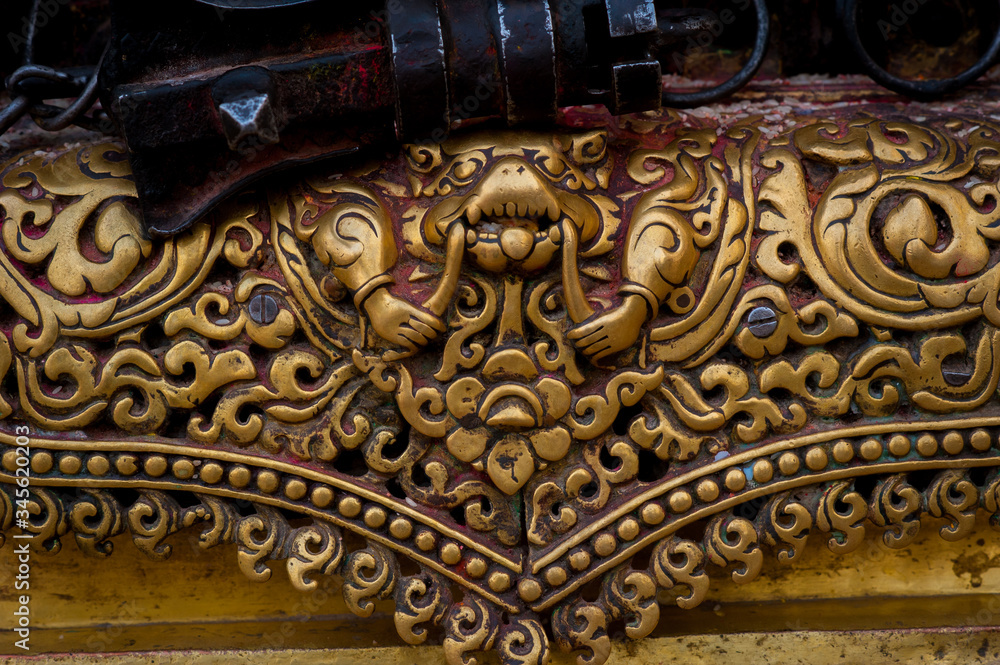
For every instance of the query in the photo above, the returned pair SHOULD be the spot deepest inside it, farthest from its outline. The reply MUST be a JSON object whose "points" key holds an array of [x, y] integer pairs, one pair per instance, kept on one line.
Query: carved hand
{"points": [[613, 330], [401, 323]]}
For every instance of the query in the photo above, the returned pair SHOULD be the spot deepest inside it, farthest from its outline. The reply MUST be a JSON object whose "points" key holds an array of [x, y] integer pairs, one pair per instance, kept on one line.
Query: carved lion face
{"points": [[515, 196]]}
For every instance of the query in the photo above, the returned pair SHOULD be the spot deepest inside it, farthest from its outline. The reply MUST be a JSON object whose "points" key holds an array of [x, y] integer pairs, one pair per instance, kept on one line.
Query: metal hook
{"points": [[741, 78], [927, 89]]}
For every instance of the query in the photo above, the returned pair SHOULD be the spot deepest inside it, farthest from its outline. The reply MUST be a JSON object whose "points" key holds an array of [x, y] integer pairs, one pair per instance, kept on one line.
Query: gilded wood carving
{"points": [[520, 363]]}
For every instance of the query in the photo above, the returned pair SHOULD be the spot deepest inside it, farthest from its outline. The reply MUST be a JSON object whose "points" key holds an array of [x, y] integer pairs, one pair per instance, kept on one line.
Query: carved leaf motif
{"points": [[47, 520], [260, 537], [420, 599], [95, 519], [842, 511], [368, 573], [523, 642], [313, 550], [223, 520], [734, 540], [785, 523], [678, 562], [151, 519], [896, 505], [954, 497], [582, 625], [470, 626], [631, 594]]}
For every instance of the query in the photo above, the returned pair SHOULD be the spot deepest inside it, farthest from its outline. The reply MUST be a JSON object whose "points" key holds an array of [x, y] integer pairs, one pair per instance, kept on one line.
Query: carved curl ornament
{"points": [[522, 362]]}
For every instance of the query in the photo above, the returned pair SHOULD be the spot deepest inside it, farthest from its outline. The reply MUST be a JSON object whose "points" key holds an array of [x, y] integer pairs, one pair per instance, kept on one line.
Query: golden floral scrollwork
{"points": [[116, 231], [523, 384], [557, 507], [370, 574], [734, 541], [684, 419], [631, 595], [524, 642], [582, 626], [791, 325], [76, 299], [895, 504], [874, 245], [867, 386], [95, 519], [842, 512], [222, 519], [420, 599], [688, 571], [151, 519], [47, 520], [313, 550], [784, 524], [122, 377], [470, 627], [260, 538], [484, 508], [953, 497]]}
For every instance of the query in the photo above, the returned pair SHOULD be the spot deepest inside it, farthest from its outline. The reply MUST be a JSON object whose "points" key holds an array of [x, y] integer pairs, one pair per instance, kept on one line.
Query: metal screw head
{"points": [[956, 377], [263, 309], [762, 321]]}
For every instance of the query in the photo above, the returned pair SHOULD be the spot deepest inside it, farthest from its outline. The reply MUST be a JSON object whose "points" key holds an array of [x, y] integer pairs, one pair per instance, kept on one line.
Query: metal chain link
{"points": [[31, 84]]}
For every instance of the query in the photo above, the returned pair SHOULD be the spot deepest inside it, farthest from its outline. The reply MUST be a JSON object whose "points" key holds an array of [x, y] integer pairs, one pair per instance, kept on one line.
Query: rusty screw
{"points": [[263, 309], [762, 321]]}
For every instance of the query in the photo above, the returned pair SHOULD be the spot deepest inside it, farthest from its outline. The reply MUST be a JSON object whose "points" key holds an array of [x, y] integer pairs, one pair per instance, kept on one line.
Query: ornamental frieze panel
{"points": [[546, 370]]}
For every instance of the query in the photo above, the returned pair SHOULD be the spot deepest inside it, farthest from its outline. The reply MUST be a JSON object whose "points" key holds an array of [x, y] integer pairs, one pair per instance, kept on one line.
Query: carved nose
{"points": [[510, 364]]}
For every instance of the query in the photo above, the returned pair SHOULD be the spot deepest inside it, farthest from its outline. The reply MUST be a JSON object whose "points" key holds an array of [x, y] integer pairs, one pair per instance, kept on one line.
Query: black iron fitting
{"points": [[211, 95], [217, 95]]}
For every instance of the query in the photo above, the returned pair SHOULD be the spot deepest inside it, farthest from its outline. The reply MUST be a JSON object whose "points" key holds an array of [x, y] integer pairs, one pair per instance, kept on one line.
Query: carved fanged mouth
{"points": [[536, 206], [514, 217], [504, 239], [513, 211]]}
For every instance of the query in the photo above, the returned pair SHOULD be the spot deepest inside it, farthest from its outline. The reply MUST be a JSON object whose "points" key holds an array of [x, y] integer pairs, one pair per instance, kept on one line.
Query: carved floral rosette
{"points": [[518, 362]]}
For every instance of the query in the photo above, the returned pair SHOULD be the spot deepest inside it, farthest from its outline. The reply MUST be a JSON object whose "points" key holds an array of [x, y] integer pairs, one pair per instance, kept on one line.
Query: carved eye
{"points": [[461, 172], [553, 165], [562, 168]]}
